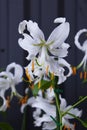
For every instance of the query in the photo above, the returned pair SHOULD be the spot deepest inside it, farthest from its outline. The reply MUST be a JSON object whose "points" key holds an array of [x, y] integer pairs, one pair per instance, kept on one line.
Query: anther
{"points": [[74, 125], [81, 75], [74, 70], [28, 75], [47, 68], [8, 102], [32, 66], [85, 75], [24, 100], [32, 86], [64, 127]]}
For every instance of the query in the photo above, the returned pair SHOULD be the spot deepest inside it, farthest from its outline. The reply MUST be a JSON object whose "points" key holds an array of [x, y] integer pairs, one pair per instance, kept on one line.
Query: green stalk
{"points": [[59, 116], [24, 120], [77, 103]]}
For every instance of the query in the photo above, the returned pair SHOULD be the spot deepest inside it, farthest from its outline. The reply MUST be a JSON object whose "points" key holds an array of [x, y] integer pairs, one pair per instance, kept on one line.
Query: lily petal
{"points": [[18, 72], [22, 26], [64, 63], [35, 31], [74, 111], [44, 105], [27, 44], [77, 43], [49, 126], [63, 103], [59, 35], [59, 20]]}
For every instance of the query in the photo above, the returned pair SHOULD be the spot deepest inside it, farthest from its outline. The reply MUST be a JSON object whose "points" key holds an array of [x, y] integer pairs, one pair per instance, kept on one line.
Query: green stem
{"points": [[83, 99], [24, 120], [59, 116]]}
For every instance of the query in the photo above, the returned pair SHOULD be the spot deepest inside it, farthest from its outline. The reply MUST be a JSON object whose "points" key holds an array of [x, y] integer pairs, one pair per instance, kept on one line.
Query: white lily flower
{"points": [[49, 52], [44, 104], [67, 117], [8, 80], [83, 48], [51, 110], [34, 42]]}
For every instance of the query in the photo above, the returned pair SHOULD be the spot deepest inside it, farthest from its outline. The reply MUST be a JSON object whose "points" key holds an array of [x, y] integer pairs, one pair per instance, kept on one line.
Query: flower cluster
{"points": [[8, 80], [47, 69]]}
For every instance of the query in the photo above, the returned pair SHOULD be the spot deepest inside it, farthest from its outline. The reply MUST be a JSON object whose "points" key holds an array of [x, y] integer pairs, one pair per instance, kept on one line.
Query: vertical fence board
{"points": [[49, 11], [3, 34], [11, 13]]}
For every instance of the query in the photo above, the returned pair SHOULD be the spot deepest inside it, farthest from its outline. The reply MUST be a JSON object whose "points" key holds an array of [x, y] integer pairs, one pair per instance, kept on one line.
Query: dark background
{"points": [[12, 12]]}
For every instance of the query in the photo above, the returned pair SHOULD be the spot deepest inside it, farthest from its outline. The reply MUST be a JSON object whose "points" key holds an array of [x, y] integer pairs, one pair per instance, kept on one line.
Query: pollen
{"points": [[23, 100], [32, 86], [83, 75], [8, 102], [28, 75], [32, 65], [47, 68], [74, 70], [74, 125], [66, 128]]}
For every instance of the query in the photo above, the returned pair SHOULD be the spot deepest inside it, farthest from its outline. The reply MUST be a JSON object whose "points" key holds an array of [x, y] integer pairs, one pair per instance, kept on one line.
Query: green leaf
{"points": [[84, 123], [35, 90], [45, 84], [5, 126], [3, 113], [84, 81]]}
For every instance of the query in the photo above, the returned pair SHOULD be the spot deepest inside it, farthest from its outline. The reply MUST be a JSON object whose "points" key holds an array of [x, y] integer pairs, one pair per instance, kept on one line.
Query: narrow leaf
{"points": [[5, 126]]}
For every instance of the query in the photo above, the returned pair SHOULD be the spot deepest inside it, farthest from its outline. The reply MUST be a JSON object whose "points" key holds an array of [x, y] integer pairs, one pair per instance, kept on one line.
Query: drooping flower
{"points": [[82, 47], [8, 80], [44, 104]]}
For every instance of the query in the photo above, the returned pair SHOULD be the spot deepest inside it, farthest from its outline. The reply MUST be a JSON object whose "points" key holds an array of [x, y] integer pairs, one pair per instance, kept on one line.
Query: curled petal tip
{"points": [[21, 27], [60, 20]]}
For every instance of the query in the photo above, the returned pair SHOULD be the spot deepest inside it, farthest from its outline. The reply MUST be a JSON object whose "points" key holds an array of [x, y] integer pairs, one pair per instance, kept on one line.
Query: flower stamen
{"points": [[8, 102], [66, 128], [81, 75], [23, 100], [85, 75], [47, 68], [74, 125], [28, 75], [74, 70], [32, 66], [32, 86]]}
